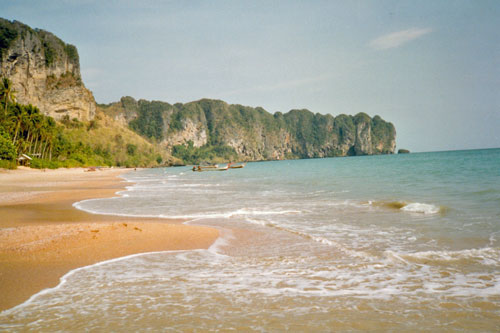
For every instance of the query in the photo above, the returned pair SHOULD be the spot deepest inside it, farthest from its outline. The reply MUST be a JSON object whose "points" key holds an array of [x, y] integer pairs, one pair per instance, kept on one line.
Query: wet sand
{"points": [[42, 236]]}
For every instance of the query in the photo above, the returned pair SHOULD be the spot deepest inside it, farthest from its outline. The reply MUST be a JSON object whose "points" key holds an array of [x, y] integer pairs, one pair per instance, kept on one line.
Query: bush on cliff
{"points": [[7, 35]]}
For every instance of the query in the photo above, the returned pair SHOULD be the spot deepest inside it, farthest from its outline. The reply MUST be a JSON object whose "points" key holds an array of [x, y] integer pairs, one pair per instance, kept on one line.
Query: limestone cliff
{"points": [[44, 71], [253, 133]]}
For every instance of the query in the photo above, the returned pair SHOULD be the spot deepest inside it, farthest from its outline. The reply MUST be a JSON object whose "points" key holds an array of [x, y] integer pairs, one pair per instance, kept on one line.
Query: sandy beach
{"points": [[42, 236]]}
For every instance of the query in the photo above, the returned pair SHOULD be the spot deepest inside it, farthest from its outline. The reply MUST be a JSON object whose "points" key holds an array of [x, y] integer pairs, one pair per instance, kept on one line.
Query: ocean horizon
{"points": [[385, 242]]}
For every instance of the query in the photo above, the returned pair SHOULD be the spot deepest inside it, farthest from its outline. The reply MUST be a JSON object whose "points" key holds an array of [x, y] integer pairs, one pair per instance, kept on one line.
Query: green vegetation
{"points": [[49, 52], [7, 149], [196, 155], [310, 129], [131, 149], [147, 133], [7, 94], [304, 133], [7, 35], [149, 122], [53, 47], [344, 128], [128, 103], [72, 53], [103, 141], [28, 131], [66, 80], [70, 143], [382, 131], [361, 118]]}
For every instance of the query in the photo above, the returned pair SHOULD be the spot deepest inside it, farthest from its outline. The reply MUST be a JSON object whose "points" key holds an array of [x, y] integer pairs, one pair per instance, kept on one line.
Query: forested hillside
{"points": [[212, 130], [69, 142]]}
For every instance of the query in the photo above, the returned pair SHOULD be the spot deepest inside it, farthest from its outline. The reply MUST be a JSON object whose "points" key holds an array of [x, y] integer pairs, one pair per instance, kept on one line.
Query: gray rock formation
{"points": [[253, 133], [44, 71]]}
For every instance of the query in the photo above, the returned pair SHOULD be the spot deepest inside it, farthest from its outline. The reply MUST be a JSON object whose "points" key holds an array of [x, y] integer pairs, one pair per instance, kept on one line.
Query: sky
{"points": [[432, 68]]}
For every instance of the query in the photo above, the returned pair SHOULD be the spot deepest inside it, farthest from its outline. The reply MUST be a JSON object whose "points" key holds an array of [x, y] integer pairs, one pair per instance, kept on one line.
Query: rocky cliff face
{"points": [[253, 133], [44, 71]]}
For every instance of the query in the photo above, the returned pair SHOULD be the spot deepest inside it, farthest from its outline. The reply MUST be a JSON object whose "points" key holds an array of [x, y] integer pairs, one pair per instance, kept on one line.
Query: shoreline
{"points": [[43, 236]]}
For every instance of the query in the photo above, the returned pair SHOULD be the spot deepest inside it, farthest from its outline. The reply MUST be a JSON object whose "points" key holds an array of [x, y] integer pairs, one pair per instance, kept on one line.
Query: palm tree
{"points": [[31, 112], [19, 118], [51, 134], [7, 94], [47, 129], [38, 123]]}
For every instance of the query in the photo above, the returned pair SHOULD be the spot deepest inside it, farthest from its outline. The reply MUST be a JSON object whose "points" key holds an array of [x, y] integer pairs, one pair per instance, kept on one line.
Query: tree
{"points": [[37, 129], [7, 94], [7, 150], [33, 115], [131, 149], [19, 118]]}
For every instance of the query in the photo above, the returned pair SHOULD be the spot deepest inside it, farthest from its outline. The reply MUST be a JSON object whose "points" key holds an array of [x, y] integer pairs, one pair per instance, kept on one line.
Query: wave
{"points": [[65, 278], [486, 256], [422, 208], [235, 213], [198, 185], [484, 192], [410, 207], [229, 214], [318, 239]]}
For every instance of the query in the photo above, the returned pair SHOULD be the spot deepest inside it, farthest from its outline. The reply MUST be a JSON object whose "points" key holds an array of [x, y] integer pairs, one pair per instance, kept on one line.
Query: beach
{"points": [[388, 243], [43, 237]]}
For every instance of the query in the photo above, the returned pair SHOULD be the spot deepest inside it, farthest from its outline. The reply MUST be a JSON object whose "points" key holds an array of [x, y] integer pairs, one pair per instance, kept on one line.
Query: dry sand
{"points": [[42, 236]]}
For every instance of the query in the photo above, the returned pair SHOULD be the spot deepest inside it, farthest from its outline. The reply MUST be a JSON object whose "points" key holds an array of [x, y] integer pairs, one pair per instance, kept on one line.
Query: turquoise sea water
{"points": [[361, 243]]}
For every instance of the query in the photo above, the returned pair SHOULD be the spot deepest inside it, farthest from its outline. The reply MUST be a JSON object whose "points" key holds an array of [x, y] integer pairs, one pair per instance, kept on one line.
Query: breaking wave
{"points": [[410, 207], [485, 256]]}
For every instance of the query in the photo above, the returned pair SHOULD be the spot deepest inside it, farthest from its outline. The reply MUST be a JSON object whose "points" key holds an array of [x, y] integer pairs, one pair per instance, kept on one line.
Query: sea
{"points": [[407, 242]]}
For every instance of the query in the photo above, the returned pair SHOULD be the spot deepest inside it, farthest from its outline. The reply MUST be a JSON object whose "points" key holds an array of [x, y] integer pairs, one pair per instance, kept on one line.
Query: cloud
{"points": [[397, 38]]}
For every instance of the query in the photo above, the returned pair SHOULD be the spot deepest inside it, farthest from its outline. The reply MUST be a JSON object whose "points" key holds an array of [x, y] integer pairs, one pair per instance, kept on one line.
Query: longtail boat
{"points": [[237, 166], [214, 167]]}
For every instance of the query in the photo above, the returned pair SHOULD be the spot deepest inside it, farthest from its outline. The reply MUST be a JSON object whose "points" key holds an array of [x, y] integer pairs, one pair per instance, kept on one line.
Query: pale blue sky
{"points": [[430, 67]]}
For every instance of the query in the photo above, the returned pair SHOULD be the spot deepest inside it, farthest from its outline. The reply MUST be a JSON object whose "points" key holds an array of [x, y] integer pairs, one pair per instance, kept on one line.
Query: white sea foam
{"points": [[493, 238], [245, 211], [348, 203], [318, 239], [199, 185], [487, 256], [421, 208], [81, 206], [225, 235], [64, 279], [233, 213], [326, 258]]}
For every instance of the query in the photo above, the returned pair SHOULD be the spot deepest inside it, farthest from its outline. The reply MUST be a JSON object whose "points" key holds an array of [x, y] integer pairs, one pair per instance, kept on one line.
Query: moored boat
{"points": [[214, 167], [237, 166]]}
